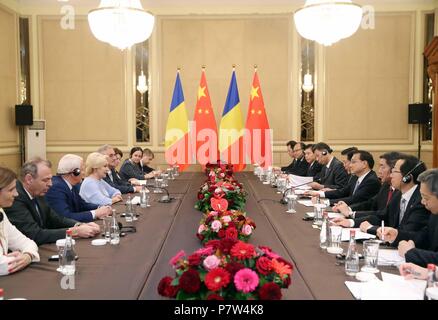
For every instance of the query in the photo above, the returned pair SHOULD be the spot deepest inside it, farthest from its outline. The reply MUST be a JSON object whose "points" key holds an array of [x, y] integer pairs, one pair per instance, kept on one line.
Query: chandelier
{"points": [[121, 23], [328, 21]]}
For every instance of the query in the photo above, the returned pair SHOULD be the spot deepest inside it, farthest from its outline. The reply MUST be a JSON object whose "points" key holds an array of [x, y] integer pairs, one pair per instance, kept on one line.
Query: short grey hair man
{"points": [[430, 179], [103, 149], [31, 167], [68, 163]]}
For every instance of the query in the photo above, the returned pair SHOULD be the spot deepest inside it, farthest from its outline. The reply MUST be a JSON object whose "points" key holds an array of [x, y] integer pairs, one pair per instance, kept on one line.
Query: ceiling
{"points": [[209, 3]]}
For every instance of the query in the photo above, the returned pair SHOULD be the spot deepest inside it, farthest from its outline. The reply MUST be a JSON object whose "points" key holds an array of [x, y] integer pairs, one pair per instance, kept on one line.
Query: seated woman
{"points": [[24, 250], [94, 189], [131, 167]]}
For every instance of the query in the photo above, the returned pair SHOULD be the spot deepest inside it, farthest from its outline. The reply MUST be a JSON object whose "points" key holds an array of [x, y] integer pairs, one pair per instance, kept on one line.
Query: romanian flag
{"points": [[258, 135], [206, 129], [177, 129], [231, 129]]}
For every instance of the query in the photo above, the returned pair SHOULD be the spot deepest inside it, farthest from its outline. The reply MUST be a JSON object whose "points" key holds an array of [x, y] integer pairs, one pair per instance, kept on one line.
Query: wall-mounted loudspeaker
{"points": [[419, 113], [23, 115]]}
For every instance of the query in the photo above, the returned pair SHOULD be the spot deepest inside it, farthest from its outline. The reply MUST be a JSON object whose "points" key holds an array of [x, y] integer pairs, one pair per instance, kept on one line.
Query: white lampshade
{"points": [[308, 84], [328, 21], [121, 23], [142, 87]]}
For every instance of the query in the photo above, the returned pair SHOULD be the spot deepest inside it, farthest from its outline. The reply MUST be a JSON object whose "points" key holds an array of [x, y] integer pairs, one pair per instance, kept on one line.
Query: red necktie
{"points": [[391, 191]]}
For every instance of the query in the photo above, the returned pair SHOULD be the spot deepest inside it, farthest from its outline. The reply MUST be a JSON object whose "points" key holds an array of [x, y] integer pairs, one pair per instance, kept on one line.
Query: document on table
{"points": [[135, 200], [389, 257], [300, 181], [307, 203], [332, 215], [392, 287], [359, 234], [142, 182]]}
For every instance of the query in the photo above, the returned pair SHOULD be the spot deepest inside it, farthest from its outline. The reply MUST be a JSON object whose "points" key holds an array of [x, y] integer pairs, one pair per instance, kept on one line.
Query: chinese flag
{"points": [[206, 129], [257, 128]]}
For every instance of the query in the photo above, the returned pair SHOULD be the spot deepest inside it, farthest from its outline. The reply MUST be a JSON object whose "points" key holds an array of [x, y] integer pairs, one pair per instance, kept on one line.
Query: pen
{"points": [[414, 273], [383, 230]]}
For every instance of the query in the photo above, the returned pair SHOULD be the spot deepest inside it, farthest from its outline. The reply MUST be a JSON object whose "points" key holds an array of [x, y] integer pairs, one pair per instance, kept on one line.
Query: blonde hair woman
{"points": [[94, 189], [24, 250]]}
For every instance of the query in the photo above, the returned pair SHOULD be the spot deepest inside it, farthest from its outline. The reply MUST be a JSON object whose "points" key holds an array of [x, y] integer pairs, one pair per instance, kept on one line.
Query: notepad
{"points": [[142, 182], [389, 257], [307, 203], [358, 236]]}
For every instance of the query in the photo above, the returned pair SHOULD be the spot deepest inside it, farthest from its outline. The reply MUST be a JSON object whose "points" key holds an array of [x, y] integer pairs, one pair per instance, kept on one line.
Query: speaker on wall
{"points": [[23, 115], [419, 113]]}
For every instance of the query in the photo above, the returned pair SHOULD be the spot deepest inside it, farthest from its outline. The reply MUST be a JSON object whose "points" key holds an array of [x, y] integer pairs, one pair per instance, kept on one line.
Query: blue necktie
{"points": [[356, 186]]}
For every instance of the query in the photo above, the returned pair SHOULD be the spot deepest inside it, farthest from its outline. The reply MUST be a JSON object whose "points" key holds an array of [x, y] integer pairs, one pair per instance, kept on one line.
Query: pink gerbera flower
{"points": [[246, 280], [177, 257]]}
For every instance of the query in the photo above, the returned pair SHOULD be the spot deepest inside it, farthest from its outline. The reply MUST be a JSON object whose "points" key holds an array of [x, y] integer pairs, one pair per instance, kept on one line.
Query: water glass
{"points": [[281, 184], [318, 208], [170, 173], [335, 240], [158, 183], [165, 183], [144, 199], [371, 255], [291, 202], [176, 172], [107, 227]]}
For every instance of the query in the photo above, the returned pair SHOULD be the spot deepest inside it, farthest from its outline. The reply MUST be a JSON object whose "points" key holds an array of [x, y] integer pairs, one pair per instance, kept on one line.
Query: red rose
{"points": [[270, 291], [231, 224], [287, 282], [200, 236], [233, 267], [200, 196], [166, 289], [209, 219], [214, 296], [221, 234], [226, 245], [190, 281], [263, 265], [213, 244], [232, 233], [194, 260]]}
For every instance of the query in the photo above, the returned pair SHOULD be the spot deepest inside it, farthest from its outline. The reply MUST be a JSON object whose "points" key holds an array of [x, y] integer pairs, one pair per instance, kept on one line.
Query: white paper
{"points": [[393, 287], [300, 181], [4, 260], [142, 182], [307, 203], [135, 200], [299, 192], [358, 236], [388, 257], [333, 215]]}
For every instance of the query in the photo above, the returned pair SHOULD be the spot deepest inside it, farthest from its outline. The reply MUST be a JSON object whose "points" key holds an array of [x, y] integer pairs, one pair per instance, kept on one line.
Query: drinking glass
{"points": [[291, 202], [371, 255]]}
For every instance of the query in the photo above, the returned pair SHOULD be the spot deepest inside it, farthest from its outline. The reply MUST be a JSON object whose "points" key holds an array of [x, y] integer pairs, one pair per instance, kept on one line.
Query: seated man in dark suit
{"points": [[290, 151], [380, 200], [112, 177], [333, 174], [33, 217], [405, 211], [363, 186], [422, 247], [63, 195], [148, 156], [346, 156], [314, 168], [301, 165]]}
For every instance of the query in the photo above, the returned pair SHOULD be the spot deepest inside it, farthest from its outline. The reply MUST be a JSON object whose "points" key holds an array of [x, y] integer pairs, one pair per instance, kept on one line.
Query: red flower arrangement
{"points": [[243, 272], [232, 192], [228, 224]]}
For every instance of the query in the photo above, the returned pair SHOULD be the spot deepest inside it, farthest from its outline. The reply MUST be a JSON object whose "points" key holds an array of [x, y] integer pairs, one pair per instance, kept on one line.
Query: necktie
{"points": [[110, 175], [402, 209], [37, 208], [356, 186], [390, 193]]}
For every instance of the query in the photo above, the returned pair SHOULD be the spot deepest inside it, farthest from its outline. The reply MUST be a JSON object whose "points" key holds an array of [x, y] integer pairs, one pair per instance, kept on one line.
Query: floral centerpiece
{"points": [[231, 224], [227, 269], [232, 192]]}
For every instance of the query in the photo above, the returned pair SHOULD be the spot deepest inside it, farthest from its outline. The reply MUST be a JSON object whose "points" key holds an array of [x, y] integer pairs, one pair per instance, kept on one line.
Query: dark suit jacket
{"points": [[314, 170], [118, 183], [415, 218], [368, 188], [145, 168], [334, 177], [426, 242], [300, 167], [376, 203], [289, 168], [68, 203], [131, 170], [24, 216]]}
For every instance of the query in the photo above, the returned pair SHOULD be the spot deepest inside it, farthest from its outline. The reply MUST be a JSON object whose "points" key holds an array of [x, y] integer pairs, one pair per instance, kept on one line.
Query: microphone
{"points": [[166, 198], [283, 199]]}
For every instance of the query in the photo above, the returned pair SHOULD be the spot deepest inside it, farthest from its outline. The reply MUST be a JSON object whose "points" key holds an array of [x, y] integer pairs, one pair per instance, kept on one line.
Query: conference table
{"points": [[133, 269]]}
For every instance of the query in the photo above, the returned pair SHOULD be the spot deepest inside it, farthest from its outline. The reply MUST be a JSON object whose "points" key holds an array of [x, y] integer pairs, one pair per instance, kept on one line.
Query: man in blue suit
{"points": [[63, 196]]}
